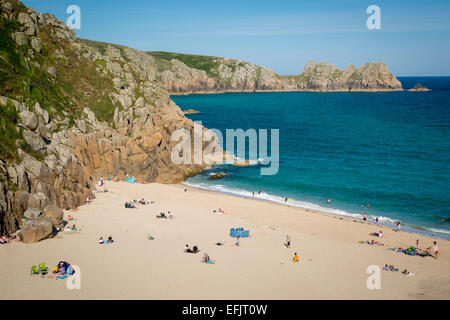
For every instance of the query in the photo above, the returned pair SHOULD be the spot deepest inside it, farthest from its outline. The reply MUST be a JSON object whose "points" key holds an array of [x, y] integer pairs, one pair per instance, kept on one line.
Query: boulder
{"points": [[29, 119], [32, 213], [56, 214], [52, 71], [216, 176], [37, 229], [34, 140]]}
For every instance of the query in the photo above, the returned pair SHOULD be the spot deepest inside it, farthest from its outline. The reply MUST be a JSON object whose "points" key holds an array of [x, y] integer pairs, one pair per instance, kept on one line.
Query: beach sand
{"points": [[332, 263]]}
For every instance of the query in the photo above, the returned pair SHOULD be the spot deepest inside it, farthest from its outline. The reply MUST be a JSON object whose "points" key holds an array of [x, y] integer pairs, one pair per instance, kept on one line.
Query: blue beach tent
{"points": [[130, 179]]}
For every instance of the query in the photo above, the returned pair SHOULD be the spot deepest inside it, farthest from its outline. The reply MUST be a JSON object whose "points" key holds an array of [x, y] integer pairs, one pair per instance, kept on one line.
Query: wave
{"points": [[382, 220]]}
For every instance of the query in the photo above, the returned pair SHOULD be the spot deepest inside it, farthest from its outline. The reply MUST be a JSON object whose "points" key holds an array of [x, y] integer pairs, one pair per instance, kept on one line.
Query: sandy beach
{"points": [[332, 263]]}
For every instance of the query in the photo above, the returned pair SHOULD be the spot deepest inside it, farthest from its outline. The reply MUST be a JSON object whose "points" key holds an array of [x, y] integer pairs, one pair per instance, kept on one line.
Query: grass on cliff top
{"points": [[205, 63]]}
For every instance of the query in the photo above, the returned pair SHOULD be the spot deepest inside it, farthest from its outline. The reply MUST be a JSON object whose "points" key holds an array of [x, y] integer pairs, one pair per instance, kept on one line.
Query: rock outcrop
{"points": [[419, 87], [228, 75]]}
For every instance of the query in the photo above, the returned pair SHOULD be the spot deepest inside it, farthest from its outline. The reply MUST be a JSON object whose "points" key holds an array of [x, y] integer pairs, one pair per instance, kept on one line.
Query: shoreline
{"points": [[405, 228], [172, 93]]}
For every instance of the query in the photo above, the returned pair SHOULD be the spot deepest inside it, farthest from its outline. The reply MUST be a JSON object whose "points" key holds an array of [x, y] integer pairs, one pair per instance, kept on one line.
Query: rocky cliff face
{"points": [[72, 111], [188, 73]]}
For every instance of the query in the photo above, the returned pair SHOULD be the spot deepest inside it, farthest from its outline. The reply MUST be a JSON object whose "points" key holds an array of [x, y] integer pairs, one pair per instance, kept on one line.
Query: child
{"points": [[295, 259]]}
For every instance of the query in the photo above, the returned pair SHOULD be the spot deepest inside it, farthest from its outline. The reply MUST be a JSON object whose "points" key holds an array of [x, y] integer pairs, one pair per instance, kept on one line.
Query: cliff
{"points": [[72, 111], [183, 73]]}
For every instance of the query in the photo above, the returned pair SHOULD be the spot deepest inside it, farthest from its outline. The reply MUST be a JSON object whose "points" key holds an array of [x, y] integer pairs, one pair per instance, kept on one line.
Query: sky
{"points": [[283, 35]]}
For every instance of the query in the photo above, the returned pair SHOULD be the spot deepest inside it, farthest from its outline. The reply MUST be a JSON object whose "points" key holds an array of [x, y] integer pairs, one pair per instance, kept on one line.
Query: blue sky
{"points": [[282, 35]]}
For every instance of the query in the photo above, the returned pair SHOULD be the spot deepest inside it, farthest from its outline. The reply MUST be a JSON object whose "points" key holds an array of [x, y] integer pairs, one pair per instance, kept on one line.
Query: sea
{"points": [[385, 154]]}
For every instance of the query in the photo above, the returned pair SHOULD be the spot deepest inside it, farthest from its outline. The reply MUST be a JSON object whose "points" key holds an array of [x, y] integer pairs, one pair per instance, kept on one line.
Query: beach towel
{"points": [[235, 232]]}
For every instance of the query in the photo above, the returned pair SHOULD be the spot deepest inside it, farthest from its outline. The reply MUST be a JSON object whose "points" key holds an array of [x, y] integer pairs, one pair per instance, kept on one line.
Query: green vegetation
{"points": [[8, 132], [25, 78], [205, 63]]}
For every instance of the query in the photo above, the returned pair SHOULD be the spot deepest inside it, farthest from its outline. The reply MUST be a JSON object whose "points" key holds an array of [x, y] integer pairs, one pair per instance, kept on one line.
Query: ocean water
{"points": [[387, 149]]}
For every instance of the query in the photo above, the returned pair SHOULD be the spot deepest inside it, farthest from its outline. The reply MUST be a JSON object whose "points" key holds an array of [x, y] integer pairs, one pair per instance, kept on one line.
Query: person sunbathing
{"points": [[100, 241], [161, 215], [220, 243], [110, 239], [129, 205], [207, 259]]}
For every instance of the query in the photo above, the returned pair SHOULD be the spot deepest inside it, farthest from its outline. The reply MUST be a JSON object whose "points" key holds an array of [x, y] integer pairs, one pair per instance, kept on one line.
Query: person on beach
{"points": [[376, 220], [435, 249], [288, 241], [187, 248], [398, 226], [417, 243], [295, 258], [195, 249], [161, 215], [88, 201], [238, 242], [220, 243], [100, 241], [329, 201], [207, 259], [110, 239], [365, 216]]}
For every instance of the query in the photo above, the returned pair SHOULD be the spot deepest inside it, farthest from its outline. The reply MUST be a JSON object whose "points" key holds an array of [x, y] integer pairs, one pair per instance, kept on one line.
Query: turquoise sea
{"points": [[387, 149]]}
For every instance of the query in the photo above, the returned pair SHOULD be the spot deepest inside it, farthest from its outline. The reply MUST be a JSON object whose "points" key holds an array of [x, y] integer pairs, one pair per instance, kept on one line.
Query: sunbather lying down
{"points": [[161, 215], [390, 268], [143, 202], [109, 241], [193, 250]]}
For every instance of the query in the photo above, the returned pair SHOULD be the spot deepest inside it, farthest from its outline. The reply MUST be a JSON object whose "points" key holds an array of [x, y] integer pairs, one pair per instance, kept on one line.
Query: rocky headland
{"points": [[186, 74]]}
